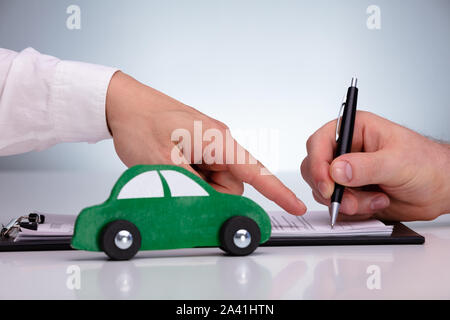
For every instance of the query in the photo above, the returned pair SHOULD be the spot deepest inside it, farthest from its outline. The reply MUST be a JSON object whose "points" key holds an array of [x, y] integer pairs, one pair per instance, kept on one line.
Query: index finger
{"points": [[257, 175]]}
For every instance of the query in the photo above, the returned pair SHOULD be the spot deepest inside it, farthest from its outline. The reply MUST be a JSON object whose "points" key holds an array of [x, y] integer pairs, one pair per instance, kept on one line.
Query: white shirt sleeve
{"points": [[45, 101]]}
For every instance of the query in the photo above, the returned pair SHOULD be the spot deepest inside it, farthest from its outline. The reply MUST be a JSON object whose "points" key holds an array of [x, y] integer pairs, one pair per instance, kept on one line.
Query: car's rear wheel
{"points": [[120, 240], [239, 236]]}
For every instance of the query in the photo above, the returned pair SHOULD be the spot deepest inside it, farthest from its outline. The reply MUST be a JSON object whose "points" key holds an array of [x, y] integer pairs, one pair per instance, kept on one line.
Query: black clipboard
{"points": [[401, 234], [8, 245]]}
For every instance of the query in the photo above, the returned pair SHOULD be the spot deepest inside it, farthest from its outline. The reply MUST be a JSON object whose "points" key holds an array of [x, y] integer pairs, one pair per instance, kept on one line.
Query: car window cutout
{"points": [[182, 186], [145, 185]]}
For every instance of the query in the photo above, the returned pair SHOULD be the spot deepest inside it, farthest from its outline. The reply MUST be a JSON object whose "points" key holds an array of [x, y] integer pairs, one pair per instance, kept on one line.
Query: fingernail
{"points": [[378, 203], [342, 171], [323, 189]]}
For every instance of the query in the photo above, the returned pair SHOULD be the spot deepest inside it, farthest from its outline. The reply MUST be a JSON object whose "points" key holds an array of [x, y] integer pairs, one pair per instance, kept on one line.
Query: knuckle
{"points": [[304, 167], [365, 114], [220, 125], [310, 143]]}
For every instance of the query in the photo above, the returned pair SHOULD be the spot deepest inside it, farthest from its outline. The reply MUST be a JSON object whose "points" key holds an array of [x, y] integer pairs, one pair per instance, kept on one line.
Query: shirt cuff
{"points": [[78, 101]]}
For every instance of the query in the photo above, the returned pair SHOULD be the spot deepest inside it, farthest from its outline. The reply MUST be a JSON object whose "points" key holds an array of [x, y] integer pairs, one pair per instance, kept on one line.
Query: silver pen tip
{"points": [[354, 82], [334, 210]]}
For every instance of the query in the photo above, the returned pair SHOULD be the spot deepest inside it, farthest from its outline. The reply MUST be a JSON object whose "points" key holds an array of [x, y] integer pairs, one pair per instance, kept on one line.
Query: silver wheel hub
{"points": [[242, 238], [123, 239]]}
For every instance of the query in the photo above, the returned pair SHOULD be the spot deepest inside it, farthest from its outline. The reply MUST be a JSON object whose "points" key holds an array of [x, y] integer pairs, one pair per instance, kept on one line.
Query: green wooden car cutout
{"points": [[159, 207]]}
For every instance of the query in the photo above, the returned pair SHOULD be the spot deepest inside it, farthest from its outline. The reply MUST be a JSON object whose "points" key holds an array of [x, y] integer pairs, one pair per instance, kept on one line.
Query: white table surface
{"points": [[325, 272]]}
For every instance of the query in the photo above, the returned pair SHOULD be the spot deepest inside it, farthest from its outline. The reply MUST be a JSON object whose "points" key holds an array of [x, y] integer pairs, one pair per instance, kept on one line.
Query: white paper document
{"points": [[317, 224]]}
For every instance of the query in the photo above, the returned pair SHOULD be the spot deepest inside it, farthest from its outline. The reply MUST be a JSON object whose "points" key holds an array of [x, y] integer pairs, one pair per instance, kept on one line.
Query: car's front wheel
{"points": [[120, 240], [239, 236]]}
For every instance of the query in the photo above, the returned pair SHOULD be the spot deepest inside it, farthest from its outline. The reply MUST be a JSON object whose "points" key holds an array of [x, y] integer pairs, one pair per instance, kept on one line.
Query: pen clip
{"points": [[338, 124]]}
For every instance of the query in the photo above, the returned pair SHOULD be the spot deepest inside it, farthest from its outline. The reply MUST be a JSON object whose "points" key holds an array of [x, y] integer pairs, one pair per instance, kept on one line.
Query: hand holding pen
{"points": [[392, 173]]}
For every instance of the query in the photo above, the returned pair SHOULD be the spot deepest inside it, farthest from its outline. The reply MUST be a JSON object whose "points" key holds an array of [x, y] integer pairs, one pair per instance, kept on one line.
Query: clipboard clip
{"points": [[339, 118], [12, 229]]}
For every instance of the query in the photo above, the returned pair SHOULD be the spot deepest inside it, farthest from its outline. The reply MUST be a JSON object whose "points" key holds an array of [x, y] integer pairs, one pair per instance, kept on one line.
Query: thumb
{"points": [[363, 168]]}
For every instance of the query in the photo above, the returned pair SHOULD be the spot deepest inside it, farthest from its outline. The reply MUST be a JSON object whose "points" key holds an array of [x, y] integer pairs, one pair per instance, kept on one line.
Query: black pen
{"points": [[344, 137]]}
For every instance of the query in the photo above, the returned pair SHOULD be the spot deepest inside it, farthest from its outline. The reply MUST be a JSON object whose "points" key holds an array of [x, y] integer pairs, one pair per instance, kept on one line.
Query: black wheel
{"points": [[239, 236], [120, 240]]}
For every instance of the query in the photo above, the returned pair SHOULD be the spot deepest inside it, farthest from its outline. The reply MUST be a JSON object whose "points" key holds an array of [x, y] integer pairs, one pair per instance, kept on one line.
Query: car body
{"points": [[171, 207]]}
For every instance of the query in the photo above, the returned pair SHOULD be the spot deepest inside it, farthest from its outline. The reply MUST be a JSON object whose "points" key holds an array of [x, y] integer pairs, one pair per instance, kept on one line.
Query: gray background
{"points": [[283, 65]]}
